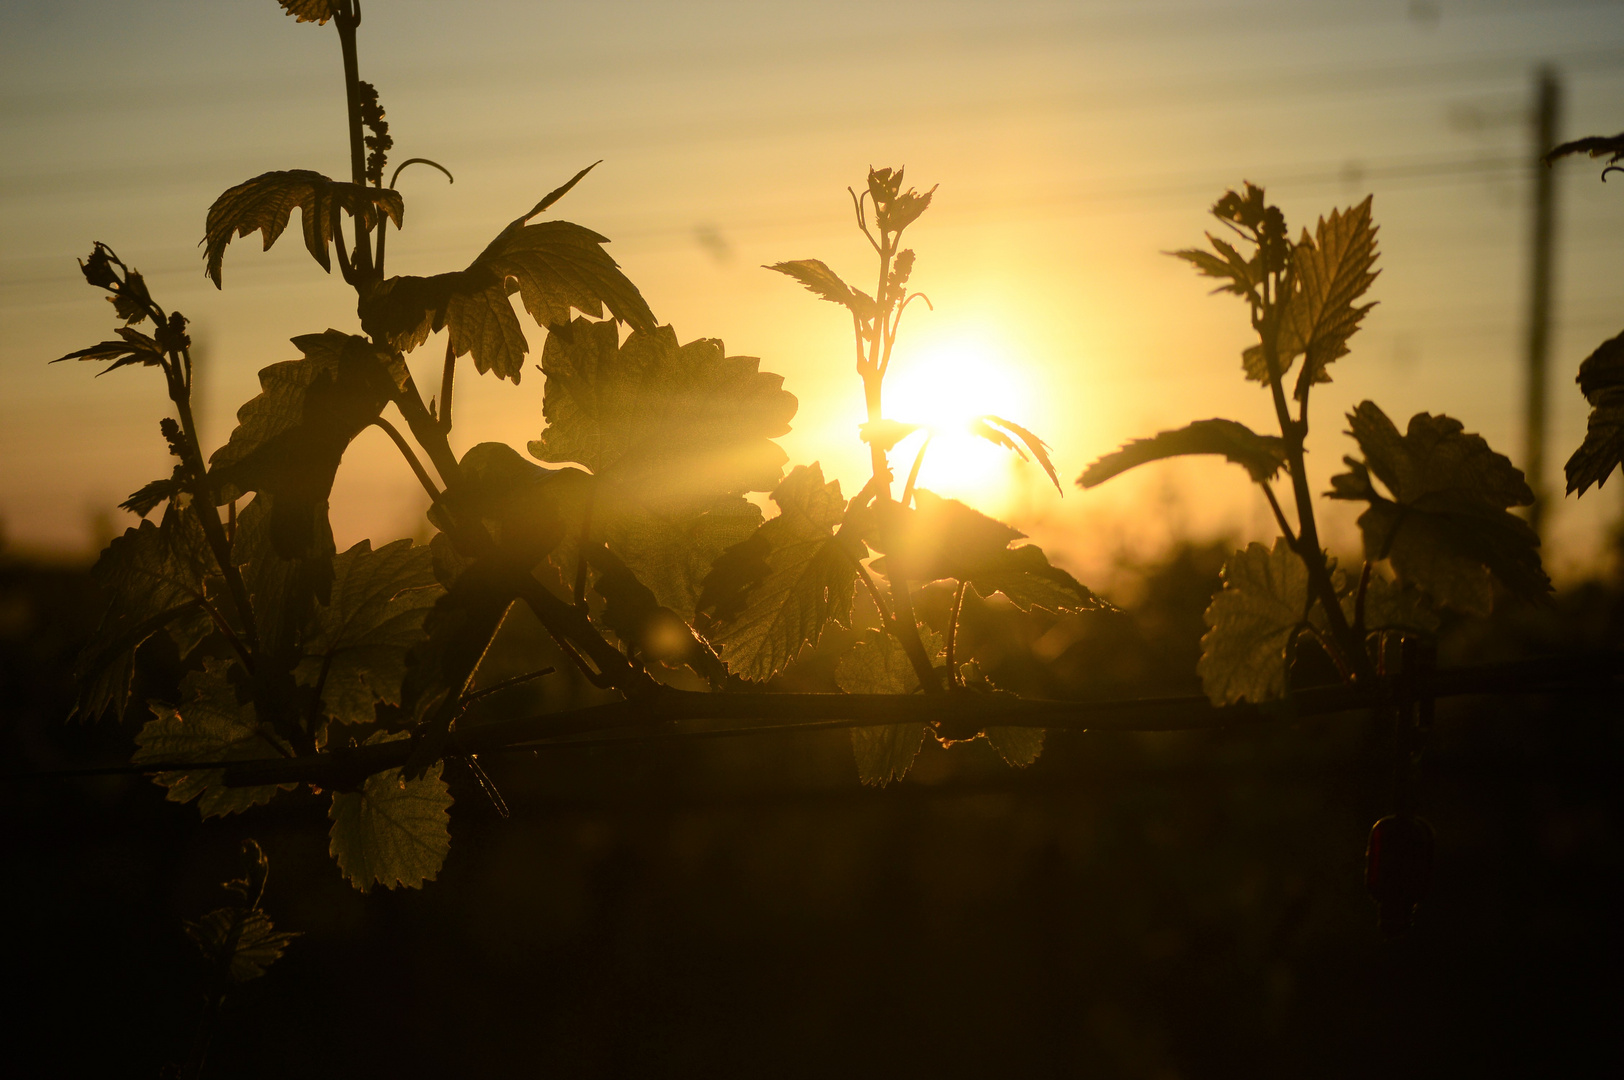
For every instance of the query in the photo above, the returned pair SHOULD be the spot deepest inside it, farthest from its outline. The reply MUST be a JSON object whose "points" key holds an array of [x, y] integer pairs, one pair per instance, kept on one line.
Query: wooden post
{"points": [[1548, 110]]}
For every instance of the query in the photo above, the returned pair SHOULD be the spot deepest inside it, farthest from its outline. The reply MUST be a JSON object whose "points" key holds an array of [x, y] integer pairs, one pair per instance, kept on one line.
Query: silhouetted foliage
{"points": [[356, 678]]}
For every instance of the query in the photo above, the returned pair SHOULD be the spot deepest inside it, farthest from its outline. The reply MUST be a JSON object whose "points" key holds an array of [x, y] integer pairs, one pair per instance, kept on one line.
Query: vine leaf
{"points": [[1446, 528], [1018, 746], [1329, 272], [265, 203], [895, 209], [675, 435], [1610, 147], [1391, 606], [153, 576], [667, 422], [1601, 379], [1260, 455], [554, 266], [776, 591], [826, 284], [943, 538], [646, 627], [1252, 622], [1028, 580], [885, 433], [392, 831], [134, 347], [146, 499], [1243, 275], [290, 438], [282, 592], [1012, 436], [211, 724], [524, 508], [356, 653], [259, 944], [316, 11], [877, 665]]}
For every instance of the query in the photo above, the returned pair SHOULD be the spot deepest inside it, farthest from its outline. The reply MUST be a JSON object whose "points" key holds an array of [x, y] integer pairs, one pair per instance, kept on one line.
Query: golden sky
{"points": [[1074, 142]]}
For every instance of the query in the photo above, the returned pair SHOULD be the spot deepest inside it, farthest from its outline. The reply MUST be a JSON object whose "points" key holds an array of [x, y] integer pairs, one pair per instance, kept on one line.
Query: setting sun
{"points": [[944, 384]]}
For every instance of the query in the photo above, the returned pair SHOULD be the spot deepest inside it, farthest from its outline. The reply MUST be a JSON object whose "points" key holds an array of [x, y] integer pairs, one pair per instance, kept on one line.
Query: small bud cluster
{"points": [[379, 143]]}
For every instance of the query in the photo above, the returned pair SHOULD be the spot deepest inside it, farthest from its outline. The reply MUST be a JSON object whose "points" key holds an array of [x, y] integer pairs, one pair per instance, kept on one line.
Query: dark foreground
{"points": [[1168, 906]]}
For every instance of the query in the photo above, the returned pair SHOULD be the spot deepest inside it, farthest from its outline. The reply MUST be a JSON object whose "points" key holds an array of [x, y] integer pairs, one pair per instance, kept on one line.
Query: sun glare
{"points": [[945, 384]]}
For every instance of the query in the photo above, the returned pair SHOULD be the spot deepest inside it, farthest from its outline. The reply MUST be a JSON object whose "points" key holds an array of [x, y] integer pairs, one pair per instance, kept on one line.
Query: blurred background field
{"points": [[1179, 905]]}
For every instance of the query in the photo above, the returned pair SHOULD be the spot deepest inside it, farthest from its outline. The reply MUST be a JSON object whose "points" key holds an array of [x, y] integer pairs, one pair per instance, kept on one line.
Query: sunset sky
{"points": [[1073, 142]]}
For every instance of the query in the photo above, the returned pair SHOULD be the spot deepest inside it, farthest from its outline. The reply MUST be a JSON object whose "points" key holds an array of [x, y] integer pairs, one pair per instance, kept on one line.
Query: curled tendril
{"points": [[420, 161]]}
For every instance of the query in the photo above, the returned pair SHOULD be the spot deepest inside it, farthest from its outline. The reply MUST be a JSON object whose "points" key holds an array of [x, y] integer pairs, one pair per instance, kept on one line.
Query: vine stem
{"points": [[905, 627], [953, 636], [1279, 515], [347, 20], [667, 712], [1308, 544], [411, 458], [203, 501], [448, 376]]}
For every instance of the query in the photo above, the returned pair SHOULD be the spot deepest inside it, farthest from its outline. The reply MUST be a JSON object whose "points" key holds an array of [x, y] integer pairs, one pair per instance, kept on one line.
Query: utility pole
{"points": [[1547, 133]]}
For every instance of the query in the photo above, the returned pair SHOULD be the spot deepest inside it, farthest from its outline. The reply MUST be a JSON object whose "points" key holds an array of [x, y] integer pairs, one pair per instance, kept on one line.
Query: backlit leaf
{"points": [[1242, 275], [259, 944], [133, 347], [357, 653], [776, 591], [316, 11], [145, 500], [1601, 379], [393, 831], [554, 266], [282, 592], [152, 575], [1390, 606], [526, 510], [265, 203], [647, 628], [1260, 455], [894, 208], [877, 665], [1446, 528], [1252, 621], [214, 722], [671, 552], [1012, 436], [1026, 577], [825, 283], [1329, 272], [943, 538], [675, 435], [885, 433], [290, 439], [1610, 147], [1018, 746], [667, 423]]}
